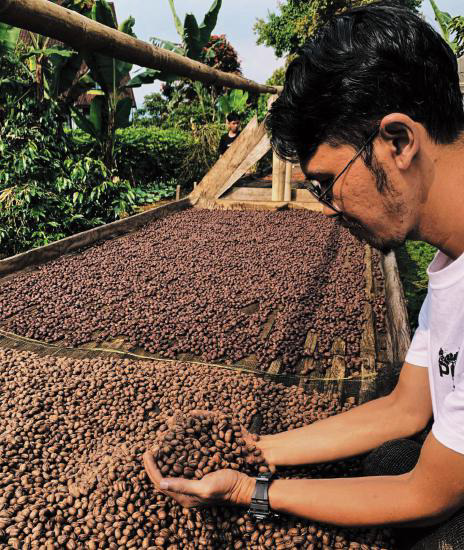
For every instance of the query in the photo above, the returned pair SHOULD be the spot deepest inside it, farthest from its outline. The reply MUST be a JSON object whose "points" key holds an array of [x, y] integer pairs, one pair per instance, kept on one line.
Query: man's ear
{"points": [[401, 136]]}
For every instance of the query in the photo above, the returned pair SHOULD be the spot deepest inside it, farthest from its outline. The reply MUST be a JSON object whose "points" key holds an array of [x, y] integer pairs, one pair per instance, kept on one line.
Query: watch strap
{"points": [[259, 506]]}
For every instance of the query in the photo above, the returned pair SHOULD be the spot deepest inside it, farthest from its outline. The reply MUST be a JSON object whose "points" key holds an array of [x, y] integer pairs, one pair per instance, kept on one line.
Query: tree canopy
{"points": [[299, 19]]}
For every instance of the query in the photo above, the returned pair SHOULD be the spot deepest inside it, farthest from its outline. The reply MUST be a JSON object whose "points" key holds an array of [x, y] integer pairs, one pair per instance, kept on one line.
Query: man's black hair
{"points": [[233, 116], [364, 64]]}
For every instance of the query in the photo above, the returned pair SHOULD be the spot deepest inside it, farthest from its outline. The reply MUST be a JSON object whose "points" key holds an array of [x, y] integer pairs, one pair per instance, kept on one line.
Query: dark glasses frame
{"points": [[314, 186]]}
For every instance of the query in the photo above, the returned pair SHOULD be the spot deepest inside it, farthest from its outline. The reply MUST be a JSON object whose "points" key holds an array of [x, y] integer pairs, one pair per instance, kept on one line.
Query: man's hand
{"points": [[223, 486]]}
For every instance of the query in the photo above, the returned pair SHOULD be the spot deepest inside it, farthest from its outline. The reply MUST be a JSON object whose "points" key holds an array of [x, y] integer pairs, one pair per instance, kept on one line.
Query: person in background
{"points": [[233, 126]]}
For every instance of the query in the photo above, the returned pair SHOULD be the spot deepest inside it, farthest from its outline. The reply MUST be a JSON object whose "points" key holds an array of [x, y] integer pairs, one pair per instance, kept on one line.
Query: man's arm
{"points": [[428, 494], [402, 413]]}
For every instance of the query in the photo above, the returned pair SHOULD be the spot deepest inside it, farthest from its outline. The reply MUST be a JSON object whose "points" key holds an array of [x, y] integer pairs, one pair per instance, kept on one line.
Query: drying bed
{"points": [[284, 291], [72, 433]]}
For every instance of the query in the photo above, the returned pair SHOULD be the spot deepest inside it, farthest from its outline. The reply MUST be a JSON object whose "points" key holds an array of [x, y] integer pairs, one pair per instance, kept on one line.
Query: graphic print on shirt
{"points": [[447, 363]]}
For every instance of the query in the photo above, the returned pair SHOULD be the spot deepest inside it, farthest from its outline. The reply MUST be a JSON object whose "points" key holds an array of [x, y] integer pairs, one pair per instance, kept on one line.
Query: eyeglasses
{"points": [[323, 195]]}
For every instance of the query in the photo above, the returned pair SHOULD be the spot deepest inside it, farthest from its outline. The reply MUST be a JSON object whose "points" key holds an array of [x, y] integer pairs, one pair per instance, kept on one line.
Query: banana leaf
{"points": [[443, 19], [9, 37], [84, 123], [96, 114], [107, 71], [150, 75], [46, 52], [64, 76], [197, 37], [177, 21], [123, 111]]}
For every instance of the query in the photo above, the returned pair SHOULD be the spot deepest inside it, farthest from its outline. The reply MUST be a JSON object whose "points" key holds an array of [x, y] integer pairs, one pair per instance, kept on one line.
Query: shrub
{"points": [[149, 154]]}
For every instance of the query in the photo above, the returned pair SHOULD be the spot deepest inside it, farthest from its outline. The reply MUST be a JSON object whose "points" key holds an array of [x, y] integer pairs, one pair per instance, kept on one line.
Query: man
{"points": [[373, 112], [233, 126]]}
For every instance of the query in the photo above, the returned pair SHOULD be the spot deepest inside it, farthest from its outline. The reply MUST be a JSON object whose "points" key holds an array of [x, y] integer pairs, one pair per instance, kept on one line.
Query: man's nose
{"points": [[330, 212]]}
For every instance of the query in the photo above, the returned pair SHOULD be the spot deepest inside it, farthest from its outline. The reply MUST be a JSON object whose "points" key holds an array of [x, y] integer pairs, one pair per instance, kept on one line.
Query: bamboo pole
{"points": [[80, 32]]}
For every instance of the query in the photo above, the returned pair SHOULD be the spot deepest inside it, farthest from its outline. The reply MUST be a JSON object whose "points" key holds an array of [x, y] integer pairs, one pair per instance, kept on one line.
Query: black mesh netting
{"points": [[398, 457]]}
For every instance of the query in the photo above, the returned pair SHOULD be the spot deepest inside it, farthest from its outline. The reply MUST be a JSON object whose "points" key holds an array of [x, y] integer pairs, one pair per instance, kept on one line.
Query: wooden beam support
{"points": [[288, 182], [80, 32], [278, 178], [234, 162]]}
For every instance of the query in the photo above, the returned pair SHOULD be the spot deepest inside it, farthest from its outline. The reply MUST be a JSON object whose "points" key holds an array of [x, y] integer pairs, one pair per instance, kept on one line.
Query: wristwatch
{"points": [[259, 506]]}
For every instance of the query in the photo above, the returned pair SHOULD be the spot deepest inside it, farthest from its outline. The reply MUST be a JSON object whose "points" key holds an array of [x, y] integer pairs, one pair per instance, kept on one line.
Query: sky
{"points": [[236, 20]]}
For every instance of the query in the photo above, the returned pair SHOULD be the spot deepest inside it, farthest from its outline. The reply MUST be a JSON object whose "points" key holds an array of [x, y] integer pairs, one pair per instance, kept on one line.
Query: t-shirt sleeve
{"points": [[418, 353]]}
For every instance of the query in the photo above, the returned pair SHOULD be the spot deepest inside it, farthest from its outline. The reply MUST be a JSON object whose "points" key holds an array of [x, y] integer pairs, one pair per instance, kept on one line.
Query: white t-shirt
{"points": [[436, 345]]}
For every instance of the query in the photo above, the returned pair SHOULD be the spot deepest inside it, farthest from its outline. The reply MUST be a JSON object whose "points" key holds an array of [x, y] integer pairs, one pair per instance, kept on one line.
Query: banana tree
{"points": [[111, 108], [445, 21], [56, 69], [194, 39]]}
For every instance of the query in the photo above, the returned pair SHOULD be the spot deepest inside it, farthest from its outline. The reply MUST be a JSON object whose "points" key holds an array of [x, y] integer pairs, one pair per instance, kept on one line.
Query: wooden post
{"points": [[278, 168], [288, 182], [178, 193], [195, 183], [278, 178], [82, 33]]}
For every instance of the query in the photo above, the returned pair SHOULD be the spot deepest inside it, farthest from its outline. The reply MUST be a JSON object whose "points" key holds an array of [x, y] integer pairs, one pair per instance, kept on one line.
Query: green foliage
{"points": [[148, 154], [8, 38], [51, 184], [155, 192], [456, 26], [234, 101], [194, 41], [413, 259], [288, 30], [111, 108], [452, 28]]}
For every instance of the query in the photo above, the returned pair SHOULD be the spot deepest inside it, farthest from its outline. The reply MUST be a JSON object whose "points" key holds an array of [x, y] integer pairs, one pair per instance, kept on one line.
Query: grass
{"points": [[413, 259]]}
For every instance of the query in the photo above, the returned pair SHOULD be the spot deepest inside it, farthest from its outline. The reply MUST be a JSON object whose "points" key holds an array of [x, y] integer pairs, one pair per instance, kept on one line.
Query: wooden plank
{"points": [[275, 367], [256, 153], [56, 249], [249, 194], [310, 342], [224, 204], [303, 195], [214, 181], [397, 314], [367, 346], [368, 274], [82, 33], [314, 206], [336, 373]]}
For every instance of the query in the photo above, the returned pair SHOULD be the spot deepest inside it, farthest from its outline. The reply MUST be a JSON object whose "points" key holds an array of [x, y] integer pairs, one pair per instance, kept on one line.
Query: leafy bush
{"points": [[48, 189], [150, 154], [413, 259]]}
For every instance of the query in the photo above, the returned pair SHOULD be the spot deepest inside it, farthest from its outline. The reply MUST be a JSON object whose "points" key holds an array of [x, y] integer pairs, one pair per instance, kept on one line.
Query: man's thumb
{"points": [[179, 485]]}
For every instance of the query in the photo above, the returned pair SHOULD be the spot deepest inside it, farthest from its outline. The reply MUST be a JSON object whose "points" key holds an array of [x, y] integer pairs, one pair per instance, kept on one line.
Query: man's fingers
{"points": [[181, 486], [151, 468]]}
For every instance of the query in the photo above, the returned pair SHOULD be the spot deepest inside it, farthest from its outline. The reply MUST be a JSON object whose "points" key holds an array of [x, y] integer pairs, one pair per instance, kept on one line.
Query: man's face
{"points": [[375, 205], [234, 126]]}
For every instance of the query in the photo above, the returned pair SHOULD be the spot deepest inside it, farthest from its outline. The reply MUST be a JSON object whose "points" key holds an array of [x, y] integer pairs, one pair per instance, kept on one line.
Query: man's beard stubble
{"points": [[358, 230]]}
